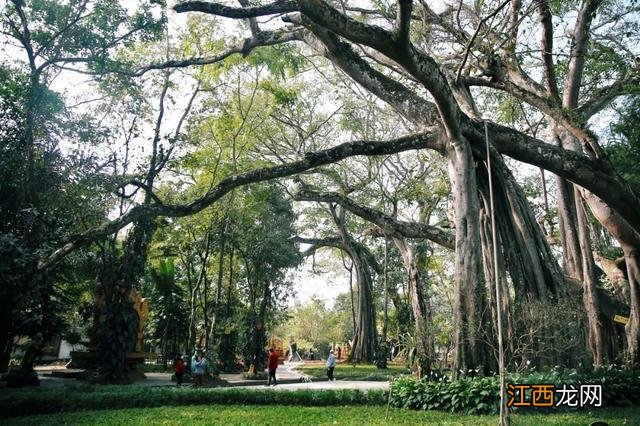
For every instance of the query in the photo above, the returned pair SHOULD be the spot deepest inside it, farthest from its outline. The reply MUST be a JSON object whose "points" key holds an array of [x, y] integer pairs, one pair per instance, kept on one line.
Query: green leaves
{"points": [[562, 6], [480, 395], [282, 61], [624, 148], [282, 95]]}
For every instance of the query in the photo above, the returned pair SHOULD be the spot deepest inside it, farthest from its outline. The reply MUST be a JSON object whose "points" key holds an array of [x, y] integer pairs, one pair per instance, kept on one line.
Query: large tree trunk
{"points": [[471, 315], [578, 254], [216, 309], [528, 258], [504, 303], [193, 292], [420, 305], [117, 332], [385, 307], [6, 337], [567, 219], [632, 257], [589, 283], [226, 348], [630, 243], [365, 335]]}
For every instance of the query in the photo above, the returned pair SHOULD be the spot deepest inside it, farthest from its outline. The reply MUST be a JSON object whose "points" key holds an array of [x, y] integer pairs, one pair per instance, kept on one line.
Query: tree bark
{"points": [[471, 316], [365, 333], [616, 275], [420, 305], [385, 308], [216, 309], [568, 219], [630, 243], [529, 260], [589, 283]]}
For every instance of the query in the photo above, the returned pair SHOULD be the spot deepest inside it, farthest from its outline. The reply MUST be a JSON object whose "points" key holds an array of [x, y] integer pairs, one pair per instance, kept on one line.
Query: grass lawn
{"points": [[256, 414], [359, 372]]}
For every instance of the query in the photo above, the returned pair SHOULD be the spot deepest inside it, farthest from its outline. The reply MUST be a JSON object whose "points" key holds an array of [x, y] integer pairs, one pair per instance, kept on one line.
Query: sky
{"points": [[325, 286]]}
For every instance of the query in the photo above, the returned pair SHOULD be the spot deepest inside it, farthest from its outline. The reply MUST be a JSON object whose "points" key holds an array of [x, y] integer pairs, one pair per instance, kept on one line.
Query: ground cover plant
{"points": [[346, 371], [480, 395], [343, 415]]}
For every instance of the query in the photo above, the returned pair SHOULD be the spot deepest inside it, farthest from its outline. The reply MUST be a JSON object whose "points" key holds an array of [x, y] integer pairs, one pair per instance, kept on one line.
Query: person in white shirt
{"points": [[331, 364]]}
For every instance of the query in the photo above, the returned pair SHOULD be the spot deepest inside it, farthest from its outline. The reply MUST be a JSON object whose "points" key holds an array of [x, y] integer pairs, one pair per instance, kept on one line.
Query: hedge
{"points": [[47, 401]]}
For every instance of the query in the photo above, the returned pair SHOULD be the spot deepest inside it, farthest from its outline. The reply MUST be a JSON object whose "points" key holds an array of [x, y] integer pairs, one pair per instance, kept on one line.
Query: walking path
{"points": [[335, 385], [288, 379]]}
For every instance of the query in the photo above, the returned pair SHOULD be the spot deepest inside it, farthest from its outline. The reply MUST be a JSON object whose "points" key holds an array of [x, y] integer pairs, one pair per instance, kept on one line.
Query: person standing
{"points": [[339, 352], [198, 371], [203, 366], [194, 359], [272, 366], [178, 366], [331, 364]]}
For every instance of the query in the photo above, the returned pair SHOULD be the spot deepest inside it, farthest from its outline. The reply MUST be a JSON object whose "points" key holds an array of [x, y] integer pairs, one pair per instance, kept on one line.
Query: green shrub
{"points": [[45, 401], [381, 355], [480, 395], [466, 395]]}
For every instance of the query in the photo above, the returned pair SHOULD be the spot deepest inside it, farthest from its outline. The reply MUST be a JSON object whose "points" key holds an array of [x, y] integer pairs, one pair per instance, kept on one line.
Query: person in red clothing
{"points": [[272, 365], [178, 365]]}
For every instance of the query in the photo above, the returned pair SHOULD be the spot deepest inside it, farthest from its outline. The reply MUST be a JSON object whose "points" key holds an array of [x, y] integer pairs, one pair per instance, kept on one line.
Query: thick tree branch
{"points": [[579, 44], [422, 66], [404, 100], [546, 45], [317, 243], [518, 145], [253, 22], [568, 164], [475, 34], [508, 141], [263, 38], [310, 160], [603, 96], [403, 21], [387, 223], [562, 116], [318, 14], [277, 7], [339, 243]]}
